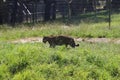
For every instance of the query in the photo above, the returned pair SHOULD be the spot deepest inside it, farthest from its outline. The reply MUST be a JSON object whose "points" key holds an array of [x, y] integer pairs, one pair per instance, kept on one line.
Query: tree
{"points": [[69, 8], [90, 6], [1, 5], [14, 12], [50, 10], [115, 4], [3, 12]]}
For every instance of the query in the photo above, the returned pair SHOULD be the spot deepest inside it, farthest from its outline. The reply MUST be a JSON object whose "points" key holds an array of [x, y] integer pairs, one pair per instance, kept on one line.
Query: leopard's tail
{"points": [[77, 45]]}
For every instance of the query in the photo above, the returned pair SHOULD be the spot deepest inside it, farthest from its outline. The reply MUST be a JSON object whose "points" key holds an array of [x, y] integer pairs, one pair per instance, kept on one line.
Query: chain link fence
{"points": [[78, 9]]}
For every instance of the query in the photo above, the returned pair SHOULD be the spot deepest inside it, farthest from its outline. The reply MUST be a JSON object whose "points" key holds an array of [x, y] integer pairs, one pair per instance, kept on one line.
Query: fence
{"points": [[34, 11]]}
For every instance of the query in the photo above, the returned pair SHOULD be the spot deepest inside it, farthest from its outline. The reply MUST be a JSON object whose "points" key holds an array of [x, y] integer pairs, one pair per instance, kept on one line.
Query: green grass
{"points": [[36, 61], [85, 27]]}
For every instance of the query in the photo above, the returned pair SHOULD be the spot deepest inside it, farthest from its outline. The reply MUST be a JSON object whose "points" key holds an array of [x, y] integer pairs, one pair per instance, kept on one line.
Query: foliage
{"points": [[87, 27], [36, 61]]}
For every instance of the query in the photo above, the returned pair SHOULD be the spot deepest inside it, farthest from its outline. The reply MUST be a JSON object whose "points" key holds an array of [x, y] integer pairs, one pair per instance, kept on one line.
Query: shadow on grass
{"points": [[90, 17]]}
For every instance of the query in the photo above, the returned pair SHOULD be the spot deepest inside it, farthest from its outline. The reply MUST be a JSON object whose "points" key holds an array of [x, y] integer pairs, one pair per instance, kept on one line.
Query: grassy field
{"points": [[36, 61], [86, 27]]}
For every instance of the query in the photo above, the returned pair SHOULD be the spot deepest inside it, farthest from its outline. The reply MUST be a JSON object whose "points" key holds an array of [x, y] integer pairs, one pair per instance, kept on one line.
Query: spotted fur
{"points": [[59, 40]]}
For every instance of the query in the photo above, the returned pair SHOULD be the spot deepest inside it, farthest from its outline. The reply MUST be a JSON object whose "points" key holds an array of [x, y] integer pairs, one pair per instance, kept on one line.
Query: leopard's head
{"points": [[45, 39]]}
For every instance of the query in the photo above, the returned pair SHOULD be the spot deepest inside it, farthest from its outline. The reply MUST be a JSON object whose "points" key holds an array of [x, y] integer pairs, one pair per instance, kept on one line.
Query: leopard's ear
{"points": [[44, 36]]}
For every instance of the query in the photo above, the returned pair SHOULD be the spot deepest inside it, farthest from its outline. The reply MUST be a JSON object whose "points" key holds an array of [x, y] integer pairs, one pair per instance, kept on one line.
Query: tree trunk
{"points": [[13, 15], [90, 5], [50, 10]]}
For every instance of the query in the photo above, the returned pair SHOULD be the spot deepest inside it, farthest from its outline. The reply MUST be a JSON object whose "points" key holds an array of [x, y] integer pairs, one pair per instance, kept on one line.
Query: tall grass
{"points": [[77, 28], [36, 61]]}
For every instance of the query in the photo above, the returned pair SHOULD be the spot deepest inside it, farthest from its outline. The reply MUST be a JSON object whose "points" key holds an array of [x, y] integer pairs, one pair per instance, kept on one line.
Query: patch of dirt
{"points": [[90, 40], [100, 40], [28, 40]]}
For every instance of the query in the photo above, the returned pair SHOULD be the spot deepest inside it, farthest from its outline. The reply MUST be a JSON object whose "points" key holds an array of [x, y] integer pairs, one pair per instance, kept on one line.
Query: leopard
{"points": [[60, 40]]}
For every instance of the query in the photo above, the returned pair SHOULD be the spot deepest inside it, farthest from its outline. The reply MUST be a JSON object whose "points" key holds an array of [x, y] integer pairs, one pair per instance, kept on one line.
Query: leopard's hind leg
{"points": [[52, 45]]}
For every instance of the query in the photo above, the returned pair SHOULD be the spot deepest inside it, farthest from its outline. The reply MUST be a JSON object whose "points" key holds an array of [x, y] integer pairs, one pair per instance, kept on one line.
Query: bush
{"points": [[95, 60], [17, 67]]}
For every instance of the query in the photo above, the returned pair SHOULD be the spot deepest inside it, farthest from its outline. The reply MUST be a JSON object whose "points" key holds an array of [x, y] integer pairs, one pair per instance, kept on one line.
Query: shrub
{"points": [[17, 67], [95, 60]]}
